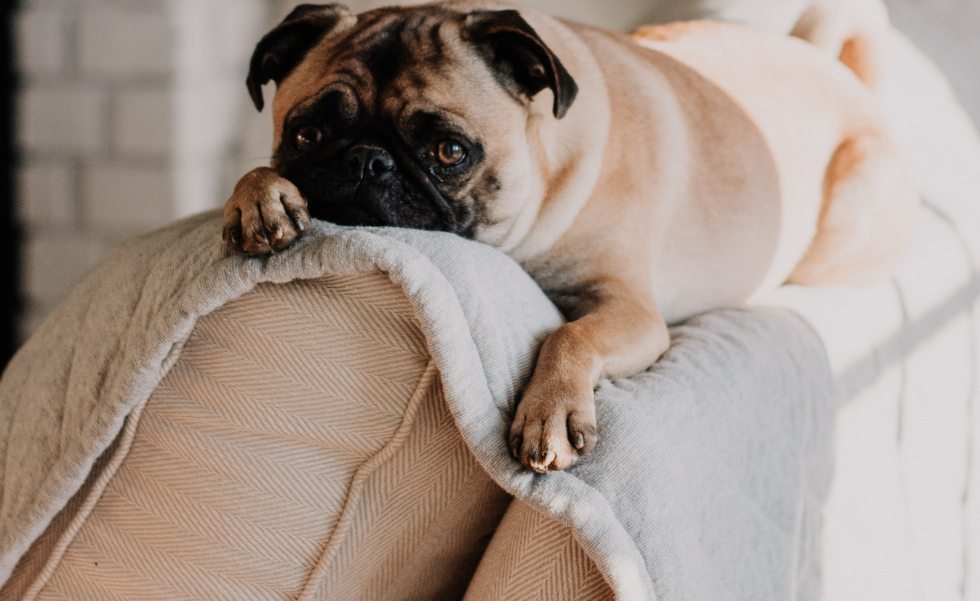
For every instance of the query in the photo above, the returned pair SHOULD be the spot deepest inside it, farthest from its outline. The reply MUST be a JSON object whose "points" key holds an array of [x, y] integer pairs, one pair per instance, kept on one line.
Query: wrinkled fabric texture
{"points": [[723, 419]]}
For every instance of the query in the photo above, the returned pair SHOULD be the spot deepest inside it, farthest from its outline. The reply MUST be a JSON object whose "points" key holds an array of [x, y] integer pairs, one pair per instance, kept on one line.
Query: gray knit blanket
{"points": [[712, 465]]}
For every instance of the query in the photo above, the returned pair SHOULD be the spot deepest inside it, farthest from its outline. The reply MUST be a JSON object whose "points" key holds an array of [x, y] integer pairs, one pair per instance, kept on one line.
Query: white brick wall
{"points": [[122, 199], [126, 119], [60, 257], [126, 42], [42, 38], [142, 122], [50, 187], [62, 118]]}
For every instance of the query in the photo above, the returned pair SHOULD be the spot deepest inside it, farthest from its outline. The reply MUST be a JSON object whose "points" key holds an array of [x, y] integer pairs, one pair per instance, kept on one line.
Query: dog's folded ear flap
{"points": [[278, 53], [517, 53]]}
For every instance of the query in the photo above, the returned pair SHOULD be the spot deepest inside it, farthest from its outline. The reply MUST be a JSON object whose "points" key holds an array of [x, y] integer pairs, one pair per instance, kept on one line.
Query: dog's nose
{"points": [[368, 162]]}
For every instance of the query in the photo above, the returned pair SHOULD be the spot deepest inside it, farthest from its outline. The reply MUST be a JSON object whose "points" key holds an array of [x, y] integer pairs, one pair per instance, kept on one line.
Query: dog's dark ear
{"points": [[517, 53], [278, 53]]}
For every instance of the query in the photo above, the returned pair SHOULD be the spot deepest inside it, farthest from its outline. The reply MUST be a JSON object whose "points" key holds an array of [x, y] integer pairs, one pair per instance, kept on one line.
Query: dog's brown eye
{"points": [[450, 153], [308, 137]]}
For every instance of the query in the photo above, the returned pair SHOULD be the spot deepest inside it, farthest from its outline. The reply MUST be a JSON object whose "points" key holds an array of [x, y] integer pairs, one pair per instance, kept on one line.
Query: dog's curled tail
{"points": [[855, 31]]}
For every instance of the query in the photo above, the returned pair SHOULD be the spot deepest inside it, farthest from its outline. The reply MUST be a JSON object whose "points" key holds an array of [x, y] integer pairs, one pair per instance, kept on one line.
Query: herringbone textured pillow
{"points": [[300, 448], [533, 557]]}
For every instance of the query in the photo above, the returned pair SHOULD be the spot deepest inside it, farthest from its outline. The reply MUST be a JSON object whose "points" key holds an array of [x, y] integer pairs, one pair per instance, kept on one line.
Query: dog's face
{"points": [[415, 117]]}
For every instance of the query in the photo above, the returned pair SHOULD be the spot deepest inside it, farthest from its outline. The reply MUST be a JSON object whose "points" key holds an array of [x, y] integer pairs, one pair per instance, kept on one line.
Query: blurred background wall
{"points": [[128, 114], [131, 113]]}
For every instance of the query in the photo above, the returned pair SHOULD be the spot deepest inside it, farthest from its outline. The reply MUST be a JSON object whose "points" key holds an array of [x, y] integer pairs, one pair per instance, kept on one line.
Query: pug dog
{"points": [[639, 179]]}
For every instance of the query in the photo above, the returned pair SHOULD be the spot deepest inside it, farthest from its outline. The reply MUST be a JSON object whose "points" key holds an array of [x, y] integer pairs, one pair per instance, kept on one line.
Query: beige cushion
{"points": [[300, 448], [533, 557]]}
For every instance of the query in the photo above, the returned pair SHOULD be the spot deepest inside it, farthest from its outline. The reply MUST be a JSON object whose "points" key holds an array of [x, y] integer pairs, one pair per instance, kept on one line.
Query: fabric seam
{"points": [[356, 486], [91, 500]]}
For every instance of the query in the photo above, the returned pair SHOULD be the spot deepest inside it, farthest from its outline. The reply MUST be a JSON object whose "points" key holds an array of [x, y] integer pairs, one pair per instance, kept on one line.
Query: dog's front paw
{"points": [[554, 426], [265, 213]]}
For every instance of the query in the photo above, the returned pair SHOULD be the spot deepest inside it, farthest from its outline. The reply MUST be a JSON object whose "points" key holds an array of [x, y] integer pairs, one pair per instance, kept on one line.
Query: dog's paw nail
{"points": [[515, 446], [579, 441], [541, 464], [298, 220]]}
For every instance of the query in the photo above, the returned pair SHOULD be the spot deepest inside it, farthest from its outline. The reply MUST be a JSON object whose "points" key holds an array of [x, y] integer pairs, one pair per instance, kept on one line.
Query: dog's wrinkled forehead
{"points": [[387, 59], [387, 43], [390, 54]]}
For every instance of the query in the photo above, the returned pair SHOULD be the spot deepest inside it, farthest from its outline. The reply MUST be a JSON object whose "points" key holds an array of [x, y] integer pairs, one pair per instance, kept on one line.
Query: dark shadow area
{"points": [[10, 304]]}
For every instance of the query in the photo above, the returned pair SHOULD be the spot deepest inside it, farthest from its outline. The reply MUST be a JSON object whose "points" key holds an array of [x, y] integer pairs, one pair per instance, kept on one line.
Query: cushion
{"points": [[532, 557], [324, 381]]}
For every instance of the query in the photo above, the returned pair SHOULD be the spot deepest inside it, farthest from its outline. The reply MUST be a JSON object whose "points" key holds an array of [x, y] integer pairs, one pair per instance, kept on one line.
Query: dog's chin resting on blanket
{"points": [[640, 180]]}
